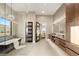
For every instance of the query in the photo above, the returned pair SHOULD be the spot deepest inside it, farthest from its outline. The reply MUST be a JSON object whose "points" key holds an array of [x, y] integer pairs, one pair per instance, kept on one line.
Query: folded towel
{"points": [[17, 46]]}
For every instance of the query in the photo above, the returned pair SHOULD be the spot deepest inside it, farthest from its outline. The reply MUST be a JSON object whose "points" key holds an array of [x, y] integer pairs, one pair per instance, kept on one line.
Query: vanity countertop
{"points": [[59, 35], [7, 42]]}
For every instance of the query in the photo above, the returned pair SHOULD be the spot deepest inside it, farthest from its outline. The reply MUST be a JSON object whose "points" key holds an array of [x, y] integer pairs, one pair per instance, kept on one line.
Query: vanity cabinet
{"points": [[6, 48], [56, 41], [72, 49], [60, 42]]}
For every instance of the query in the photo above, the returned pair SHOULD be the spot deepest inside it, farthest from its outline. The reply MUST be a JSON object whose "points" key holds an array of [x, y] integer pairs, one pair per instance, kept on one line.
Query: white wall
{"points": [[1, 10], [21, 26], [60, 13]]}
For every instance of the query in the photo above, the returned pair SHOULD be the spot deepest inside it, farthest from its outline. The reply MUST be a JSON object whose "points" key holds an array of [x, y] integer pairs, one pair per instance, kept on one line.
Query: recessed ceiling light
{"points": [[43, 11]]}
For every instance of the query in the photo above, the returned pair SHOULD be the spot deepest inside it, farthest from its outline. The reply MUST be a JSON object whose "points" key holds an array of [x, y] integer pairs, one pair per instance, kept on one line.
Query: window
{"points": [[5, 27], [75, 34]]}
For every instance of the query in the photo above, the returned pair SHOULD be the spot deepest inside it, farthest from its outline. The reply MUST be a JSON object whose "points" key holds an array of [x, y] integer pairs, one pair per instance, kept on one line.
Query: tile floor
{"points": [[41, 48]]}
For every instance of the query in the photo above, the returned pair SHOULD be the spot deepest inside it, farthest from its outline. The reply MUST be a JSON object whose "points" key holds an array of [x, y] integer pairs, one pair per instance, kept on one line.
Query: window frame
{"points": [[5, 27]]}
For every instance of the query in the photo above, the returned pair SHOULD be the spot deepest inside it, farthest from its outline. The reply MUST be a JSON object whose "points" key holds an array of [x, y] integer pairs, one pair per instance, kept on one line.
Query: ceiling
{"points": [[38, 8]]}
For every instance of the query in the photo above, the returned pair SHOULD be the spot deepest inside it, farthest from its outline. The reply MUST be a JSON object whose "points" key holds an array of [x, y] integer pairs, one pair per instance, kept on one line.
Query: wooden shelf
{"points": [[36, 31], [29, 37]]}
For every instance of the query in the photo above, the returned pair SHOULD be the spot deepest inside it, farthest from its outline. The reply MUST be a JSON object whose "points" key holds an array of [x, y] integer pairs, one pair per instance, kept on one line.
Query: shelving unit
{"points": [[37, 31], [29, 36]]}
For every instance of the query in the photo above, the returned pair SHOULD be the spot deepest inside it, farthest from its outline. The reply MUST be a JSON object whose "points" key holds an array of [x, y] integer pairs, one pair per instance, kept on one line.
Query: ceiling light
{"points": [[43, 11]]}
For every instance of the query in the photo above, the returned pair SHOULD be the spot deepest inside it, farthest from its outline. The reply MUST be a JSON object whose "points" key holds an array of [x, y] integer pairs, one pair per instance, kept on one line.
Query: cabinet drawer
{"points": [[70, 52]]}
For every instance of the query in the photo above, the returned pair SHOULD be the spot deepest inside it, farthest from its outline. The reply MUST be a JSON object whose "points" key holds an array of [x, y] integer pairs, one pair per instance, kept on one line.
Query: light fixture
{"points": [[11, 16], [43, 11]]}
